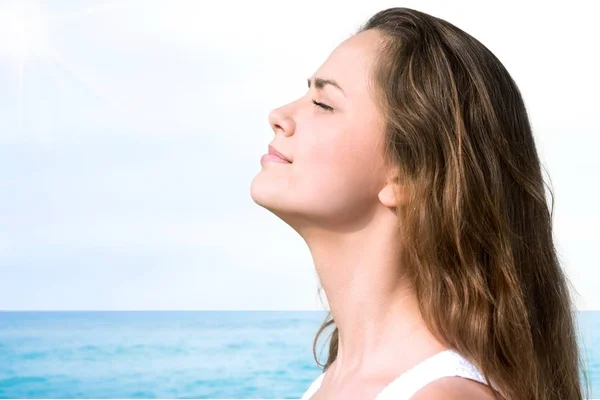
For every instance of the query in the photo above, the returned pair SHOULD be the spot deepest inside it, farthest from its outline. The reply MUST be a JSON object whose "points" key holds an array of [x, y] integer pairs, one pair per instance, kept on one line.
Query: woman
{"points": [[410, 170]]}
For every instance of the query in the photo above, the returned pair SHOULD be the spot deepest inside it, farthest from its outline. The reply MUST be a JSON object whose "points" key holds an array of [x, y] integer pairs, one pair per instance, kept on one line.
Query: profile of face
{"points": [[334, 137]]}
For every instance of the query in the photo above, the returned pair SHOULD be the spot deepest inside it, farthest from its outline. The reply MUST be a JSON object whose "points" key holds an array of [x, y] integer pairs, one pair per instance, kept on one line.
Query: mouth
{"points": [[274, 155], [273, 158]]}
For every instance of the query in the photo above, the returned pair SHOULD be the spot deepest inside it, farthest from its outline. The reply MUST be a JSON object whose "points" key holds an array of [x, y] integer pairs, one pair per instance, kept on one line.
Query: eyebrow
{"points": [[320, 83]]}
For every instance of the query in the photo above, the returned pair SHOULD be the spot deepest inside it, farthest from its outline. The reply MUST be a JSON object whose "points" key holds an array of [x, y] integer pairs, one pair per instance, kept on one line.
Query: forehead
{"points": [[350, 63]]}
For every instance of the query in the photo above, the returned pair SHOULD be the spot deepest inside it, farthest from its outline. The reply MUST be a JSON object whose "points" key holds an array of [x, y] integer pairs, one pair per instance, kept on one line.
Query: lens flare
{"points": [[23, 31]]}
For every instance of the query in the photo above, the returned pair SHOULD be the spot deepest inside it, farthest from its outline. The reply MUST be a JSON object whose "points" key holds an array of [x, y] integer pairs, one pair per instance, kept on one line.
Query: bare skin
{"points": [[337, 196]]}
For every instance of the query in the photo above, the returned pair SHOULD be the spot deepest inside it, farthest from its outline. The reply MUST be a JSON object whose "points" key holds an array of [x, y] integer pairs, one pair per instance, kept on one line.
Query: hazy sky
{"points": [[130, 132]]}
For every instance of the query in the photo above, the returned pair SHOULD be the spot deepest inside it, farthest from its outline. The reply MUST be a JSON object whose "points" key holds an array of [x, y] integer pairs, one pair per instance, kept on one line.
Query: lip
{"points": [[273, 158], [275, 154]]}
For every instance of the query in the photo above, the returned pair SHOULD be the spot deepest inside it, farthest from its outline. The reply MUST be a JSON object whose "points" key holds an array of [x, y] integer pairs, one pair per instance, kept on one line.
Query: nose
{"points": [[281, 121]]}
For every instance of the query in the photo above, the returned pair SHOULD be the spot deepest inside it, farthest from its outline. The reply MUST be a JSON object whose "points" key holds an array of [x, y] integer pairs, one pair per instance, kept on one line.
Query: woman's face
{"points": [[337, 155]]}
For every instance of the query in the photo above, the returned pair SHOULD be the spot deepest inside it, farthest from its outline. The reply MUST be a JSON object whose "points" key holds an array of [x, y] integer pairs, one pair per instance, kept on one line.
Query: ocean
{"points": [[179, 354]]}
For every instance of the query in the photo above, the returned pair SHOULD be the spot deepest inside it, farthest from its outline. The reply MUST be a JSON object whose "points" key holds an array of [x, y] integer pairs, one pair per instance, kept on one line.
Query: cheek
{"points": [[342, 168]]}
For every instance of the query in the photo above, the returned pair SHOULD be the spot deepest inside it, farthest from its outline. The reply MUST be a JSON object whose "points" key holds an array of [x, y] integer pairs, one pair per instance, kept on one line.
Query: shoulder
{"points": [[454, 388]]}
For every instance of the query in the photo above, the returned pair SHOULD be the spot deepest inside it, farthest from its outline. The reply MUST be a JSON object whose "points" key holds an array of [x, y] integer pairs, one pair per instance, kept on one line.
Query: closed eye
{"points": [[322, 105]]}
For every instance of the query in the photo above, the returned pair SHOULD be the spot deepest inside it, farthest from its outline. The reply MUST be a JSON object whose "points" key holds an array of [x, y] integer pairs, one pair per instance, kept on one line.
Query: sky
{"points": [[130, 132]]}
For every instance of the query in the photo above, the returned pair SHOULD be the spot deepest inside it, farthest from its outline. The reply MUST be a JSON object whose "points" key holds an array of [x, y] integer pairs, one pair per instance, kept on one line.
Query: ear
{"points": [[387, 196], [390, 192]]}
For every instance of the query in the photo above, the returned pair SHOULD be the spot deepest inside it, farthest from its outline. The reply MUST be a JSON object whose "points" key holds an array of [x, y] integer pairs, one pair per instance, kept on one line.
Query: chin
{"points": [[264, 193]]}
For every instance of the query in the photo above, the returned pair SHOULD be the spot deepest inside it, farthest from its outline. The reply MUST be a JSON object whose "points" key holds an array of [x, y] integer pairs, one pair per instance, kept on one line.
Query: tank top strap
{"points": [[446, 363], [313, 387]]}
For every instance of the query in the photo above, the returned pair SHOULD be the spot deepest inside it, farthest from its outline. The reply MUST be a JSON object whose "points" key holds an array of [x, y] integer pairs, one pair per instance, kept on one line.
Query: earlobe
{"points": [[387, 196]]}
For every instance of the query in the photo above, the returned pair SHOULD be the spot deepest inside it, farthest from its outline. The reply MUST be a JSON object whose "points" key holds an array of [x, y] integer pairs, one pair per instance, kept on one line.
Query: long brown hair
{"points": [[476, 230]]}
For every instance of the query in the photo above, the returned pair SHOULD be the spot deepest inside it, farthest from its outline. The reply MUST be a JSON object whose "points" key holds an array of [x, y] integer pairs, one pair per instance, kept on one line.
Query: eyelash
{"points": [[323, 106]]}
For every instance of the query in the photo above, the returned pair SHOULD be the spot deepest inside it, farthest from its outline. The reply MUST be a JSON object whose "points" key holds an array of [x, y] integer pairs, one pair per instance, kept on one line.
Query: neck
{"points": [[373, 305]]}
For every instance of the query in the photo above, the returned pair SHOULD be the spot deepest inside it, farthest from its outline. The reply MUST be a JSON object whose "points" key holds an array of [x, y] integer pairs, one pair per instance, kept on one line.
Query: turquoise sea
{"points": [[178, 354]]}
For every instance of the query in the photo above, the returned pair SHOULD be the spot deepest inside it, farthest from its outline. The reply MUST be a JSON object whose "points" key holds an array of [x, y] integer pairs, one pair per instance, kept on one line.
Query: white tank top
{"points": [[446, 363]]}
